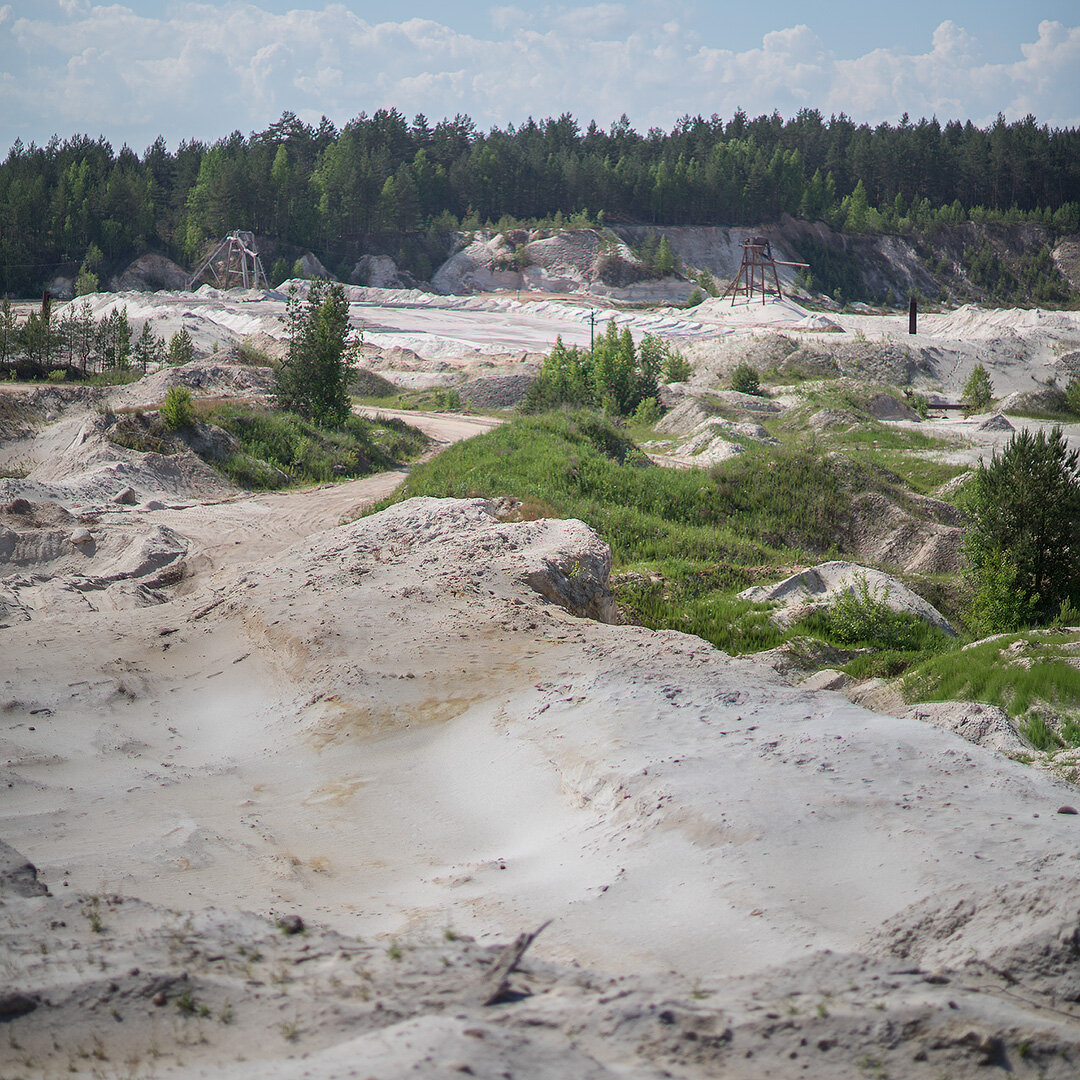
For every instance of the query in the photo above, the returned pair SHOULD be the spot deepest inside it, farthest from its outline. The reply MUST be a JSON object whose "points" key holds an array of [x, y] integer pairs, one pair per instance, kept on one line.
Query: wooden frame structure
{"points": [[235, 264], [757, 261]]}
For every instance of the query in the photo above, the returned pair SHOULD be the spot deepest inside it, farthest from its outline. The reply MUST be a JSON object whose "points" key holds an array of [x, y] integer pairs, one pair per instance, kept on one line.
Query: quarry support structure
{"points": [[757, 262], [234, 263]]}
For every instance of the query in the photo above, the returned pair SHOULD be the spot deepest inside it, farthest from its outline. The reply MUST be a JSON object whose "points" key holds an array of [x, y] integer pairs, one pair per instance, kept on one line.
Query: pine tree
{"points": [[313, 378], [1023, 520], [181, 348]]}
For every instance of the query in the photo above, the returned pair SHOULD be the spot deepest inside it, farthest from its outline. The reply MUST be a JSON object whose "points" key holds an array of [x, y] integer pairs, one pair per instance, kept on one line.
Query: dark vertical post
{"points": [[912, 315]]}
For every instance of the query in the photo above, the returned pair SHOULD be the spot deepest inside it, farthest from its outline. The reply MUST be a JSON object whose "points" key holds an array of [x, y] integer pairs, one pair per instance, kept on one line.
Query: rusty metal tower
{"points": [[757, 262], [234, 263]]}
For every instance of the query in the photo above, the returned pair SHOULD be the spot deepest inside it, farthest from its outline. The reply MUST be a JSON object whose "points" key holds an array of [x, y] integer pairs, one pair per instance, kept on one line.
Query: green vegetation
{"points": [[176, 409], [684, 541], [1018, 672], [615, 374], [181, 348], [313, 379], [280, 448], [745, 380], [79, 206], [76, 344], [1023, 535], [978, 391]]}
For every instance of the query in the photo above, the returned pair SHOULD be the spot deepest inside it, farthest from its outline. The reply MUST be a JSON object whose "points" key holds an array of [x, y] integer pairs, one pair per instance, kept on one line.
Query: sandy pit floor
{"points": [[415, 733]]}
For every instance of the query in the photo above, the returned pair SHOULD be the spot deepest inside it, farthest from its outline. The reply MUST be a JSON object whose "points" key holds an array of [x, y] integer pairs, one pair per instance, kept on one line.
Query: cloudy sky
{"points": [[201, 70]]}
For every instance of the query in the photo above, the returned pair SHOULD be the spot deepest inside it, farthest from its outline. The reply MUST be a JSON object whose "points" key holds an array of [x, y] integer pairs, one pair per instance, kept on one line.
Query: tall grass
{"points": [[278, 448], [983, 673], [747, 510]]}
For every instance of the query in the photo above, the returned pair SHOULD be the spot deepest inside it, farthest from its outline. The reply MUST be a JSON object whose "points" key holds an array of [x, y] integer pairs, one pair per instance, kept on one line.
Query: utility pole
{"points": [[592, 330]]}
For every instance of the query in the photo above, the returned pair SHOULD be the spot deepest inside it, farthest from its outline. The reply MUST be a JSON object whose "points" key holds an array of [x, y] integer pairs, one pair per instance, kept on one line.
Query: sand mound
{"points": [[1029, 933], [982, 724], [882, 532], [405, 724], [823, 585], [206, 378], [496, 391]]}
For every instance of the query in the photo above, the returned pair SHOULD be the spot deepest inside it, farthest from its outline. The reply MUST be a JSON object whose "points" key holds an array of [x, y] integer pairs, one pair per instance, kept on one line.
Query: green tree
{"points": [[978, 391], [147, 348], [745, 379], [1023, 528], [181, 348], [1072, 395], [177, 410], [87, 280], [314, 375], [9, 332]]}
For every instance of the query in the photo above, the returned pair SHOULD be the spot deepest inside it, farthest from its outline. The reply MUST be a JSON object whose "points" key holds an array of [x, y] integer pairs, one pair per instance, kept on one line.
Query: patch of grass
{"points": [[434, 399], [684, 541], [580, 465], [989, 672], [279, 448]]}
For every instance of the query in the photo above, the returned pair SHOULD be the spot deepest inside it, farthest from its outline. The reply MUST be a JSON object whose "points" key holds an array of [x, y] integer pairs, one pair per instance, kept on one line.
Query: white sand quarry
{"points": [[417, 723]]}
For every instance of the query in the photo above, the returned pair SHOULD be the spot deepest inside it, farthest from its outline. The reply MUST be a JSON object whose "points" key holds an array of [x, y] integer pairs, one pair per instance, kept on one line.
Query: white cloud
{"points": [[202, 70]]}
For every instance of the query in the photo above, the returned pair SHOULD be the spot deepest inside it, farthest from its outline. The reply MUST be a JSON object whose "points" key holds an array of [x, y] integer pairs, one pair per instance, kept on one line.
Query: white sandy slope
{"points": [[386, 728]]}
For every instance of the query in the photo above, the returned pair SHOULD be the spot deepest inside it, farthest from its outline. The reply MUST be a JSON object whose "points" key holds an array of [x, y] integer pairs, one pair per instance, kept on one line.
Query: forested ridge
{"points": [[320, 188]]}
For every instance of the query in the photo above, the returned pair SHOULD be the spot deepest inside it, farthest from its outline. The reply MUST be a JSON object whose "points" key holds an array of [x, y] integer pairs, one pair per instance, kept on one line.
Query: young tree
{"points": [[114, 340], [9, 332], [1023, 526], [978, 391], [745, 379], [181, 348], [147, 348], [313, 378], [87, 281]]}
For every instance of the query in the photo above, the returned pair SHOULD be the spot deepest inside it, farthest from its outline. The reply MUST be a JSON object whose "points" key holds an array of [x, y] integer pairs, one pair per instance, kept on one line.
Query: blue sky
{"points": [[187, 69]]}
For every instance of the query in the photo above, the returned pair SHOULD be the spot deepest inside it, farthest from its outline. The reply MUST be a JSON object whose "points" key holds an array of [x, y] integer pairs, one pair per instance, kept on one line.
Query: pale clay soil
{"points": [[416, 732]]}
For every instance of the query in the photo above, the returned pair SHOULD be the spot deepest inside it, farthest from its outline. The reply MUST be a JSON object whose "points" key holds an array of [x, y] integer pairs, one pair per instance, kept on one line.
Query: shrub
{"points": [[177, 410], [745, 380], [648, 412], [313, 379], [614, 375], [1072, 395], [978, 391], [859, 616], [1022, 539], [181, 348]]}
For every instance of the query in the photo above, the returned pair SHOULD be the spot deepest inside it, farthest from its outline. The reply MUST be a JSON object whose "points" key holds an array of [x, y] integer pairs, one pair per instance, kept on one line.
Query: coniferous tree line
{"points": [[76, 202]]}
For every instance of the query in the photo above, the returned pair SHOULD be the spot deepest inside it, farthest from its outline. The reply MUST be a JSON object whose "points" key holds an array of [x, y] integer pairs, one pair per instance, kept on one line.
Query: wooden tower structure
{"points": [[235, 264], [757, 271]]}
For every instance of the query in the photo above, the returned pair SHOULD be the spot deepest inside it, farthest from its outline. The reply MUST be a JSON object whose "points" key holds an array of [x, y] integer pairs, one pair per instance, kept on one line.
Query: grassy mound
{"points": [[684, 541], [279, 448]]}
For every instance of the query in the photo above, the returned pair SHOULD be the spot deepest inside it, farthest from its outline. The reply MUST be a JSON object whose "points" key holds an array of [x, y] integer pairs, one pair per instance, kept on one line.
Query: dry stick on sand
{"points": [[494, 983]]}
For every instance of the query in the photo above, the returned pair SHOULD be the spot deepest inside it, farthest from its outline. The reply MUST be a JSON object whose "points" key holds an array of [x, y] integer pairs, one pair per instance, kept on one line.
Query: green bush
{"points": [[1022, 540], [177, 410], [860, 617], [745, 380], [978, 391], [1072, 395], [181, 349], [615, 375]]}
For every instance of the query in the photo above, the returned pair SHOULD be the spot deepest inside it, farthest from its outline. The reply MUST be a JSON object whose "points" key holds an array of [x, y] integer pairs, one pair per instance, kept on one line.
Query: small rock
{"points": [[1067, 810], [125, 497], [81, 536], [291, 924], [158, 999], [15, 1004]]}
